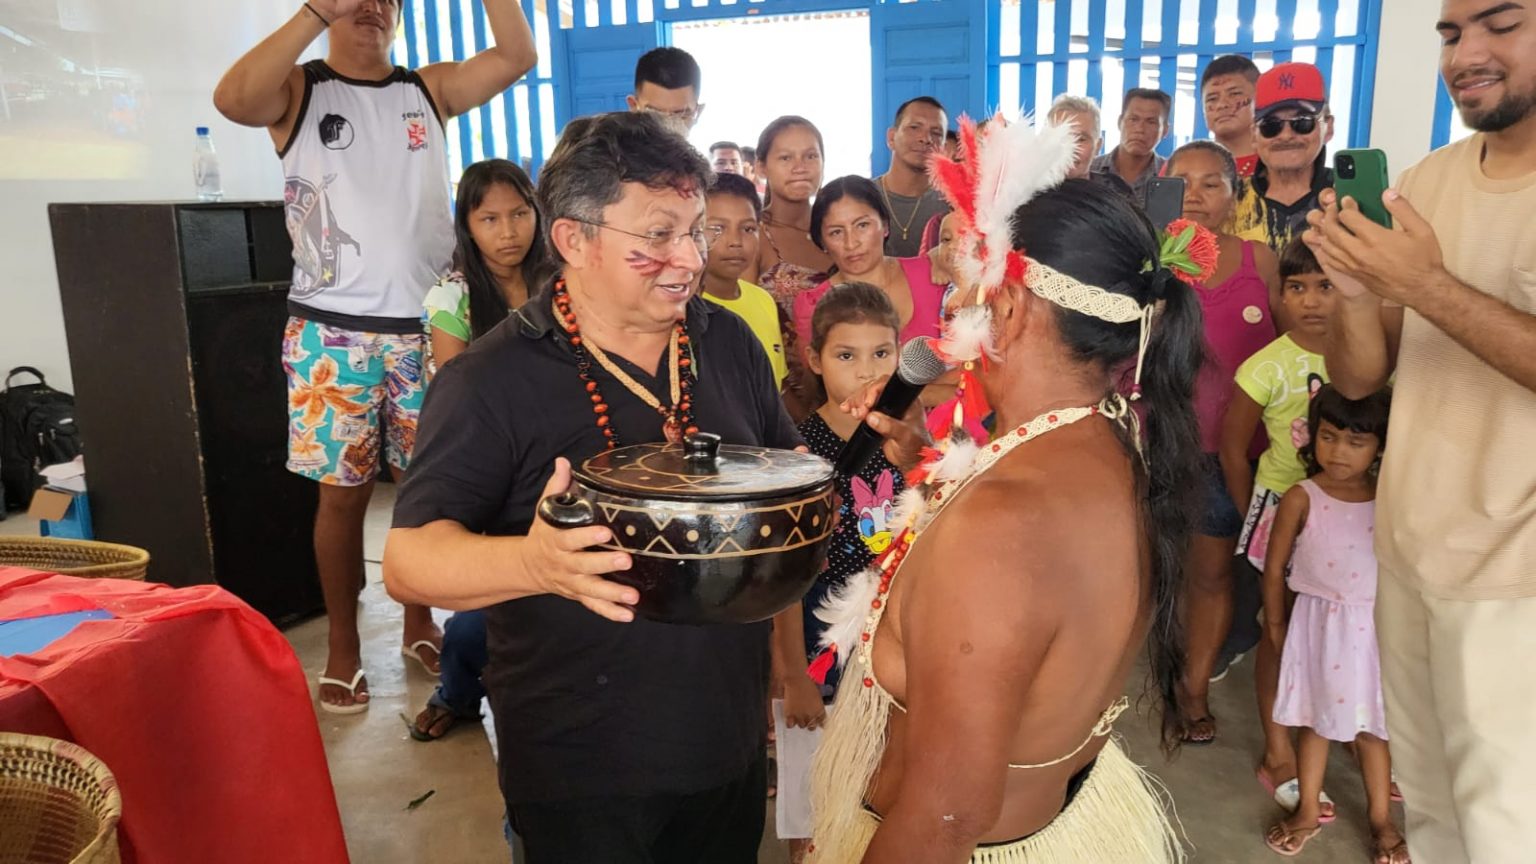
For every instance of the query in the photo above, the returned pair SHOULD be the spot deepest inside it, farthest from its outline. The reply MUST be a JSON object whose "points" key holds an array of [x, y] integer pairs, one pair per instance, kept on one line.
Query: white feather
{"points": [[958, 456], [910, 505], [968, 335], [845, 612], [1017, 162]]}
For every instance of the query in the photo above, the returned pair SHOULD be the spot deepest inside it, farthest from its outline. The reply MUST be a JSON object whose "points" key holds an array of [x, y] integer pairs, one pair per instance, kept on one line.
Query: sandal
{"points": [[357, 707], [430, 718], [413, 651], [1288, 841], [1395, 854], [1288, 796], [1189, 736]]}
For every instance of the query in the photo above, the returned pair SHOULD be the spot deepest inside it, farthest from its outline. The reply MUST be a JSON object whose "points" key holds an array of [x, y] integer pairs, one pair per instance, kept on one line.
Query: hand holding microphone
{"points": [[882, 403]]}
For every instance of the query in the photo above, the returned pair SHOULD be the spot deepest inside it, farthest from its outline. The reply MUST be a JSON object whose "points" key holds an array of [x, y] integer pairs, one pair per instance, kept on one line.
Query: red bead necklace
{"points": [[677, 418]]}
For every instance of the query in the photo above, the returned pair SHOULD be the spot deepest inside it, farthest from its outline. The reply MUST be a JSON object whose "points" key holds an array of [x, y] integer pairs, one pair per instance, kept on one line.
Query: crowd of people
{"points": [[641, 289]]}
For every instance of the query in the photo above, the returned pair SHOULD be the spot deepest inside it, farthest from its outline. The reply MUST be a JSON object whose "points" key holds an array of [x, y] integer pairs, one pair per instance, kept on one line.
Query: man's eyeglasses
{"points": [[686, 115], [663, 241], [1271, 127]]}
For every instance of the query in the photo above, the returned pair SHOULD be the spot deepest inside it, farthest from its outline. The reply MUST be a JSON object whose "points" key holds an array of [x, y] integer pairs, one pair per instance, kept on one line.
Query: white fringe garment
{"points": [[1119, 816]]}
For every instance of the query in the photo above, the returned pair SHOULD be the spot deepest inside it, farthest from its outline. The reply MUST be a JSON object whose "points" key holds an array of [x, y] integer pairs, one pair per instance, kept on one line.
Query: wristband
{"points": [[315, 12]]}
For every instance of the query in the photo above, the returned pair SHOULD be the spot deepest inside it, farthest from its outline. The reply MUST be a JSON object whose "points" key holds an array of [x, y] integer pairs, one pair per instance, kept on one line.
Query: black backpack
{"points": [[37, 429]]}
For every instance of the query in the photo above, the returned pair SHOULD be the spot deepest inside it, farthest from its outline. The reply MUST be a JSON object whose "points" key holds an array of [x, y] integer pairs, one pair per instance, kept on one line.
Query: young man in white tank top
{"points": [[366, 185]]}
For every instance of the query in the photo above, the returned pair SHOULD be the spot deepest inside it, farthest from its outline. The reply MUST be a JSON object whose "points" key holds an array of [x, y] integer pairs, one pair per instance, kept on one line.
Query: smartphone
{"points": [[1165, 200], [1362, 175]]}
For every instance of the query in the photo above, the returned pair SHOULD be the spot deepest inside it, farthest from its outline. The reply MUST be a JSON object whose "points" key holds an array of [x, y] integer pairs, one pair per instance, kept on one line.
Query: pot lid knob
{"points": [[702, 450]]}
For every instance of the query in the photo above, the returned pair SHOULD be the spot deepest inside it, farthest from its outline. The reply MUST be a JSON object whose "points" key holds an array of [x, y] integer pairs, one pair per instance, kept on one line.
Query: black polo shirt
{"points": [[585, 707], [1280, 223]]}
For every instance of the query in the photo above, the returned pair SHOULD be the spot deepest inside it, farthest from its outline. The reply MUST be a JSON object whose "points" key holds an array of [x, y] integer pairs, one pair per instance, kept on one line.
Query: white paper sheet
{"points": [[792, 808]]}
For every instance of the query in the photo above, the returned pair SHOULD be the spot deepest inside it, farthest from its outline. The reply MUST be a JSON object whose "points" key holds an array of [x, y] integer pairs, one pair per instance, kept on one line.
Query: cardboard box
{"points": [[61, 513]]}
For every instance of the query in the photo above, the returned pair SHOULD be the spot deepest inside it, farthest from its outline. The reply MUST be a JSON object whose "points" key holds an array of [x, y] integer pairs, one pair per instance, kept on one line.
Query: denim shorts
{"points": [[1218, 515]]}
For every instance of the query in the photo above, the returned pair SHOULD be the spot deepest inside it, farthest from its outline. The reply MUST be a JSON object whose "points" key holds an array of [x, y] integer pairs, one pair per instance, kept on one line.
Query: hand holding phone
{"points": [[1165, 200], [1362, 175]]}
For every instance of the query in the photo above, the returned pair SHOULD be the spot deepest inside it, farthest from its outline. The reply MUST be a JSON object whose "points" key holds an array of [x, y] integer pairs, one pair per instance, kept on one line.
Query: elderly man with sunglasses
{"points": [[1292, 124]]}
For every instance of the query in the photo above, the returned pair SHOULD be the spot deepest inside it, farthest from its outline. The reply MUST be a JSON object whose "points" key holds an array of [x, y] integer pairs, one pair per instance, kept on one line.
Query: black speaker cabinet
{"points": [[175, 315]]}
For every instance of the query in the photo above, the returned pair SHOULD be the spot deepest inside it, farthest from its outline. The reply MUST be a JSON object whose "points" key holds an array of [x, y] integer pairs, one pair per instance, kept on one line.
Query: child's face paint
{"points": [[644, 264]]}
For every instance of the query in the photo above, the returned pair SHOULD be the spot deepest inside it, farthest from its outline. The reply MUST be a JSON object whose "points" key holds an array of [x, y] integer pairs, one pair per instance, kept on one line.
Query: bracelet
{"points": [[313, 11]]}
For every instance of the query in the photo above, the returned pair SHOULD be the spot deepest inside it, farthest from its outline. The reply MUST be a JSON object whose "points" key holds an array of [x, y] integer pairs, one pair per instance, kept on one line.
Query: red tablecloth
{"points": [[196, 703]]}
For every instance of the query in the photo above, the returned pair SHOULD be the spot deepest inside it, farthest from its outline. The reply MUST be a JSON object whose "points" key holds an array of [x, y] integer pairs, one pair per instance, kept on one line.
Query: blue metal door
{"points": [[597, 68], [932, 48]]}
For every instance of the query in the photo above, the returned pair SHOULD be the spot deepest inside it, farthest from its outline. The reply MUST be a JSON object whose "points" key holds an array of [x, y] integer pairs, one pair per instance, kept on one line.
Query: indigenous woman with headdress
{"points": [[992, 642]]}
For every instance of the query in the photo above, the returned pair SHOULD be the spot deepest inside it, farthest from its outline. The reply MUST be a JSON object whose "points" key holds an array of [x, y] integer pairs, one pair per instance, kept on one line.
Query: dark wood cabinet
{"points": [[175, 314]]}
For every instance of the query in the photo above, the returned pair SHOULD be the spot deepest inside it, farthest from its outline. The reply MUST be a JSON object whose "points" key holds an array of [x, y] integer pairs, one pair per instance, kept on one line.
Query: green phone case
{"points": [[1367, 184]]}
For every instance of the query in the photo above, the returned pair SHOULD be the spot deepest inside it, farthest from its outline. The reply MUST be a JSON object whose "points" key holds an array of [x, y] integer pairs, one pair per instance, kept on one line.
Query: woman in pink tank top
{"points": [[1238, 302], [850, 221]]}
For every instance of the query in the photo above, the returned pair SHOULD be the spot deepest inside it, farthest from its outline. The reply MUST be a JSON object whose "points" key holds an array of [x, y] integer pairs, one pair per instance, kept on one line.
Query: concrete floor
{"points": [[377, 769]]}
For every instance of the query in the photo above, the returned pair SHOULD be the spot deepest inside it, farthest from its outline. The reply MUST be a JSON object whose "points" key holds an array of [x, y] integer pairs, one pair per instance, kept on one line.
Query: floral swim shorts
{"points": [[348, 393]]}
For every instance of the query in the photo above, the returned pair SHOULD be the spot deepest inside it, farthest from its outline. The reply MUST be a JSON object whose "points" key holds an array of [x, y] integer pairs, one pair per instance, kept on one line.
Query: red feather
{"points": [[918, 475], [955, 182], [1016, 267], [973, 402], [969, 144]]}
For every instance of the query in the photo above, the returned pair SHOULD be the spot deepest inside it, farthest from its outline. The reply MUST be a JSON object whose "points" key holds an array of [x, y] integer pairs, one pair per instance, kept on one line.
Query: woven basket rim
{"points": [[112, 809]]}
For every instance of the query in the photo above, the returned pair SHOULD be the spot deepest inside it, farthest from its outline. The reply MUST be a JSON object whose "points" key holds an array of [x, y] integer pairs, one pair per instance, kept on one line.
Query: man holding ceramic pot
{"points": [[622, 739]]}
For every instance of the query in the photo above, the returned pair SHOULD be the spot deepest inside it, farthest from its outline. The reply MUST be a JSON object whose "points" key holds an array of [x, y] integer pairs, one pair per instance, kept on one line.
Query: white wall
{"points": [[180, 48], [1407, 73]]}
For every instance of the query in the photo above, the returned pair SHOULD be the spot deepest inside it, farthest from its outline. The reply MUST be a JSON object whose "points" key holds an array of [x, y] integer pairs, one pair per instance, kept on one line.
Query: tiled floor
{"points": [[378, 769]]}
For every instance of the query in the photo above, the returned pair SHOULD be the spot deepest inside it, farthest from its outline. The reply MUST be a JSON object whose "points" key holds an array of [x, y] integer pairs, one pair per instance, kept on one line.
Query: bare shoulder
{"points": [[1046, 514]]}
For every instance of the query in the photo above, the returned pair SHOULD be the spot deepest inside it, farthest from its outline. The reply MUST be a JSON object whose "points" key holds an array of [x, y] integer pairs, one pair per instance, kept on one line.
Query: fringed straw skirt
{"points": [[1119, 816]]}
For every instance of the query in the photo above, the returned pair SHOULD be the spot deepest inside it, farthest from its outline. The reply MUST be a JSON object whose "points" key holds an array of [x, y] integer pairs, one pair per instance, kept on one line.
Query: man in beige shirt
{"points": [[1448, 302]]}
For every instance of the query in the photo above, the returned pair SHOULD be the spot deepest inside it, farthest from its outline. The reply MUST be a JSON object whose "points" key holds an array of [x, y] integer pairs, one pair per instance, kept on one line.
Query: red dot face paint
{"points": [[644, 264]]}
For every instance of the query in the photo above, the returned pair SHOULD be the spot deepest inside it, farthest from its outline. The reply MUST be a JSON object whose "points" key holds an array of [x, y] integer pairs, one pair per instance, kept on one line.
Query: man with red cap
{"points": [[1292, 124]]}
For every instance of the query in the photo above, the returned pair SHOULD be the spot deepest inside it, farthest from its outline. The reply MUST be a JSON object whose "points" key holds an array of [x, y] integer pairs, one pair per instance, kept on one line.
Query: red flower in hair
{"points": [[1190, 250]]}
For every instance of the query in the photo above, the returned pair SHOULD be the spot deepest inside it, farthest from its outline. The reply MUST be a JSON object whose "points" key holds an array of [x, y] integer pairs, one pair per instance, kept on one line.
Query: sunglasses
{"points": [[1271, 127]]}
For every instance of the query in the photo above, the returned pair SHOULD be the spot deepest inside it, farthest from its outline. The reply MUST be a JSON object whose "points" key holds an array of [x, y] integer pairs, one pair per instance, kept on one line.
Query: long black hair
{"points": [[487, 305], [1092, 234]]}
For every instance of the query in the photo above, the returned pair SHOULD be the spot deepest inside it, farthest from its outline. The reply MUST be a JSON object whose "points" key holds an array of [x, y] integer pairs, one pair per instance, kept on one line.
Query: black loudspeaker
{"points": [[175, 316]]}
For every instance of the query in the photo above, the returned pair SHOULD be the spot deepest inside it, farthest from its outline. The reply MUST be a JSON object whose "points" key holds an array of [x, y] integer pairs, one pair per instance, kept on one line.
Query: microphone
{"points": [[918, 367]]}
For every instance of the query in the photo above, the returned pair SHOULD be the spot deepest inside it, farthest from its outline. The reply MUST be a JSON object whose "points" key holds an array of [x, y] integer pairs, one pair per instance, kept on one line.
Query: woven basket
{"points": [[58, 803], [86, 558]]}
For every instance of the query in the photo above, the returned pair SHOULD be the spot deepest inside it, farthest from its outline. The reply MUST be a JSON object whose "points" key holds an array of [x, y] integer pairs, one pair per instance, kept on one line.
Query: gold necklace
{"points": [[886, 193]]}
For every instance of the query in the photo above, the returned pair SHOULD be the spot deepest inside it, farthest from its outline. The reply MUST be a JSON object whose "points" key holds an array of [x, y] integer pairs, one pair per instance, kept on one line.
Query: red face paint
{"points": [[686, 189], [644, 264]]}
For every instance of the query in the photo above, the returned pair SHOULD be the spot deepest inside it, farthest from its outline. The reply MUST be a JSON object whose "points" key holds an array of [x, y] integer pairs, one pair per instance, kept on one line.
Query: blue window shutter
{"points": [[932, 48]]}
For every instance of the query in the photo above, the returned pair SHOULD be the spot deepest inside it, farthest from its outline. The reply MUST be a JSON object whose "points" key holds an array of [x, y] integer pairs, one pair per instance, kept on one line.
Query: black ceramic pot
{"points": [[718, 533]]}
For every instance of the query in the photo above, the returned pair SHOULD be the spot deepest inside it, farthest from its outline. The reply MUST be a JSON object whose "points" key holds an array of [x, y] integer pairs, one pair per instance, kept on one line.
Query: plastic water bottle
{"points": [[205, 168]]}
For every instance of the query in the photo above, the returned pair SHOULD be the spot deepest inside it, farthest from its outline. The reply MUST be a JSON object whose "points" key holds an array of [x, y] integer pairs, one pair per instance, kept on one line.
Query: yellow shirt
{"points": [[756, 307], [1456, 509]]}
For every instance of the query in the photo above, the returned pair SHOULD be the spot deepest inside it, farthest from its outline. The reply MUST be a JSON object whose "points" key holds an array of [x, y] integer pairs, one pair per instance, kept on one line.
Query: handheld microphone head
{"points": [[919, 363]]}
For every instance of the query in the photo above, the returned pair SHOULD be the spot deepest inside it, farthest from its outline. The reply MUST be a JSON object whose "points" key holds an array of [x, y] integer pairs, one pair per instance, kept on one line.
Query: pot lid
{"points": [[703, 468]]}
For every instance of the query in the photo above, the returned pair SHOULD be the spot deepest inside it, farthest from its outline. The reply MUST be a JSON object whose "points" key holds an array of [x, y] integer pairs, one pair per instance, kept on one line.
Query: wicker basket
{"points": [[58, 803], [86, 558]]}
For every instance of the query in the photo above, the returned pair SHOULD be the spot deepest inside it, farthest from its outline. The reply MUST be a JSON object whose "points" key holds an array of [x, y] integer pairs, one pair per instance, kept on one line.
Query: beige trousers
{"points": [[1460, 685]]}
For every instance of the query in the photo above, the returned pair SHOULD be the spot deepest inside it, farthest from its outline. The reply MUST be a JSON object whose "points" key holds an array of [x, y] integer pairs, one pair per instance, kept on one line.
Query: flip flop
{"points": [[413, 651], [356, 707], [1198, 742], [435, 714], [1278, 835], [1398, 854], [1288, 796]]}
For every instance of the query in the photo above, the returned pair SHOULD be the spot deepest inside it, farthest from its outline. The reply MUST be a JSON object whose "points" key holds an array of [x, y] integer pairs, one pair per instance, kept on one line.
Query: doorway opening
{"points": [[822, 73]]}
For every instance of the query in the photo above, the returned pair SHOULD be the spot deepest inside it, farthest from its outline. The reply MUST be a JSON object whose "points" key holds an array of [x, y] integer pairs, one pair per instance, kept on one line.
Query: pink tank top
{"points": [[1237, 325], [1335, 556], [927, 303]]}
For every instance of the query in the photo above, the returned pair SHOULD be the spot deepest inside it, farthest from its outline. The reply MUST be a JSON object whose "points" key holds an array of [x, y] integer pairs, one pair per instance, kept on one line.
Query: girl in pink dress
{"points": [[1330, 671]]}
